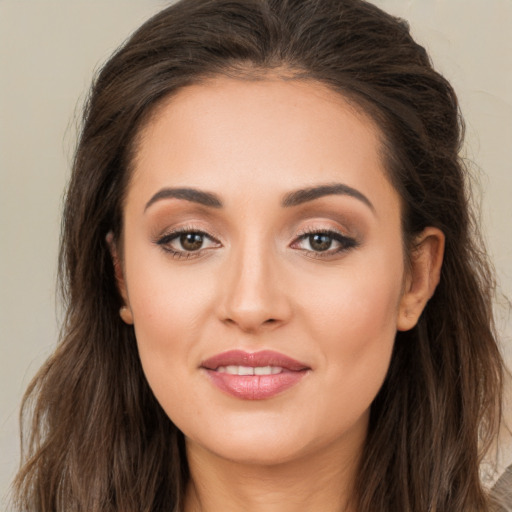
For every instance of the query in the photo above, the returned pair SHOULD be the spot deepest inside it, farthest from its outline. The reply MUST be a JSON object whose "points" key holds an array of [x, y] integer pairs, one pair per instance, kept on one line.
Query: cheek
{"points": [[163, 296], [354, 320], [169, 310], [358, 333], [357, 304]]}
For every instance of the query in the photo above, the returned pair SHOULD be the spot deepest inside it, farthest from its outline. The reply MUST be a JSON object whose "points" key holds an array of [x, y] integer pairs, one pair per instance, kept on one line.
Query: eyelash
{"points": [[346, 243], [165, 241]]}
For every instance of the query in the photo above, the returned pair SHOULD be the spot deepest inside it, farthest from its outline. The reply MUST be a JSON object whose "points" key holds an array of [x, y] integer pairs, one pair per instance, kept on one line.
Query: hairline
{"points": [[249, 72]]}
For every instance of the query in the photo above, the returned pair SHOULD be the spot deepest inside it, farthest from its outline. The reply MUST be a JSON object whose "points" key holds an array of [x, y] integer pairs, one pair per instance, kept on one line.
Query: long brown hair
{"points": [[98, 440]]}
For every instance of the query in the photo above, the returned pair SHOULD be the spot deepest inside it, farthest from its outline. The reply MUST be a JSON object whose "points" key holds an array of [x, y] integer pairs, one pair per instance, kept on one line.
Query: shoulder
{"points": [[502, 491]]}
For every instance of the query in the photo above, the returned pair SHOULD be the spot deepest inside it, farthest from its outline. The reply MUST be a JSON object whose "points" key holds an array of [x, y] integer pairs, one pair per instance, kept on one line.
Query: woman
{"points": [[275, 297]]}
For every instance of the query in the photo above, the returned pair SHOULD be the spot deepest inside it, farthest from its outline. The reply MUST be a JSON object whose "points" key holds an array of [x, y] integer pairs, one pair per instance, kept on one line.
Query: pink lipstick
{"points": [[254, 376]]}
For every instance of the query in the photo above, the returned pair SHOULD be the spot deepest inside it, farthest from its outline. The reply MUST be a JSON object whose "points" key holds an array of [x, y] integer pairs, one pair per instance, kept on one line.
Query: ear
{"points": [[422, 277], [125, 312]]}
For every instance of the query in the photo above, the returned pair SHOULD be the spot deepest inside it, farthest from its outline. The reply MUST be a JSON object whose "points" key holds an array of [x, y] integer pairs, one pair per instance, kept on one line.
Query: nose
{"points": [[253, 291]]}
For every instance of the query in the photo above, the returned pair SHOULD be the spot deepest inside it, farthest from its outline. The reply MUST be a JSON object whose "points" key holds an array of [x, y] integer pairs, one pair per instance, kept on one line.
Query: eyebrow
{"points": [[291, 199], [310, 194], [188, 194]]}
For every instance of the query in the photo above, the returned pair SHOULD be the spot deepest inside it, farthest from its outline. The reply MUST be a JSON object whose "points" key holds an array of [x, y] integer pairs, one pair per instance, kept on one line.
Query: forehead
{"points": [[262, 135]]}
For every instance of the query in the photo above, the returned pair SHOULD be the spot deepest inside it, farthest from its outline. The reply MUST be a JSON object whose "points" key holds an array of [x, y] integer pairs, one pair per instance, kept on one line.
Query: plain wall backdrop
{"points": [[49, 51]]}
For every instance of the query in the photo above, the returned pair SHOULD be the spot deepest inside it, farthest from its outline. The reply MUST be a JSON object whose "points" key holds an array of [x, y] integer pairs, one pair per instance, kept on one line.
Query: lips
{"points": [[254, 376]]}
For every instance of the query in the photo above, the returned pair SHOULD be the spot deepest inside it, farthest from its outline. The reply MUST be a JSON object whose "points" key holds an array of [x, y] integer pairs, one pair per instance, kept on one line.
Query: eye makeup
{"points": [[324, 230], [324, 243], [187, 242], [190, 242]]}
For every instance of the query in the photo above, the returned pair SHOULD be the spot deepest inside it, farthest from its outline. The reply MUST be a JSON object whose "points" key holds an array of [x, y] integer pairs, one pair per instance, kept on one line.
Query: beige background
{"points": [[49, 51]]}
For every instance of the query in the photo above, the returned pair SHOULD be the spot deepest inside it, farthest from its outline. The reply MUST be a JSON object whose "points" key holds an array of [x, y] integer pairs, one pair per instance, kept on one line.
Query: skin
{"points": [[259, 283]]}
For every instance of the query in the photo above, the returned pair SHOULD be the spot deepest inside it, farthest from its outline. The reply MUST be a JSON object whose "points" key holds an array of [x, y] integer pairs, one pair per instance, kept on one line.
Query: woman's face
{"points": [[262, 267]]}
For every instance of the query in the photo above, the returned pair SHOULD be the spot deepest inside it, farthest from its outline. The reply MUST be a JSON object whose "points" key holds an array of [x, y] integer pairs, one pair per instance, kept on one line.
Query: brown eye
{"points": [[320, 242], [324, 243], [191, 241], [187, 243]]}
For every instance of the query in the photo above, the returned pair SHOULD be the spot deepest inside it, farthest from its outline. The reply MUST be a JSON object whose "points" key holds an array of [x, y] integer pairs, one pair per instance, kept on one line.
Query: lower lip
{"points": [[255, 387]]}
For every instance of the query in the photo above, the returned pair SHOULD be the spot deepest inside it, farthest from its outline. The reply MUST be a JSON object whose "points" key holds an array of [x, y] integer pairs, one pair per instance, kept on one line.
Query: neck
{"points": [[322, 480]]}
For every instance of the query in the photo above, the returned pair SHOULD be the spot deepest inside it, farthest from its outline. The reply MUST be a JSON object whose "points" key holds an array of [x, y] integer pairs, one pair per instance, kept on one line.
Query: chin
{"points": [[253, 450], [266, 439], [263, 438]]}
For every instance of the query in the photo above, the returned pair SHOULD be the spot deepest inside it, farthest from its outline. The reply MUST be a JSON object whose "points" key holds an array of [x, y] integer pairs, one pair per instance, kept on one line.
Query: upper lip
{"points": [[254, 359]]}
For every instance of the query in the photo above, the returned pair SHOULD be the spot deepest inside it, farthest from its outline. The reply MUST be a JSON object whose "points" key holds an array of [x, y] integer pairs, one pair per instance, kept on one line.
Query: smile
{"points": [[254, 376]]}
